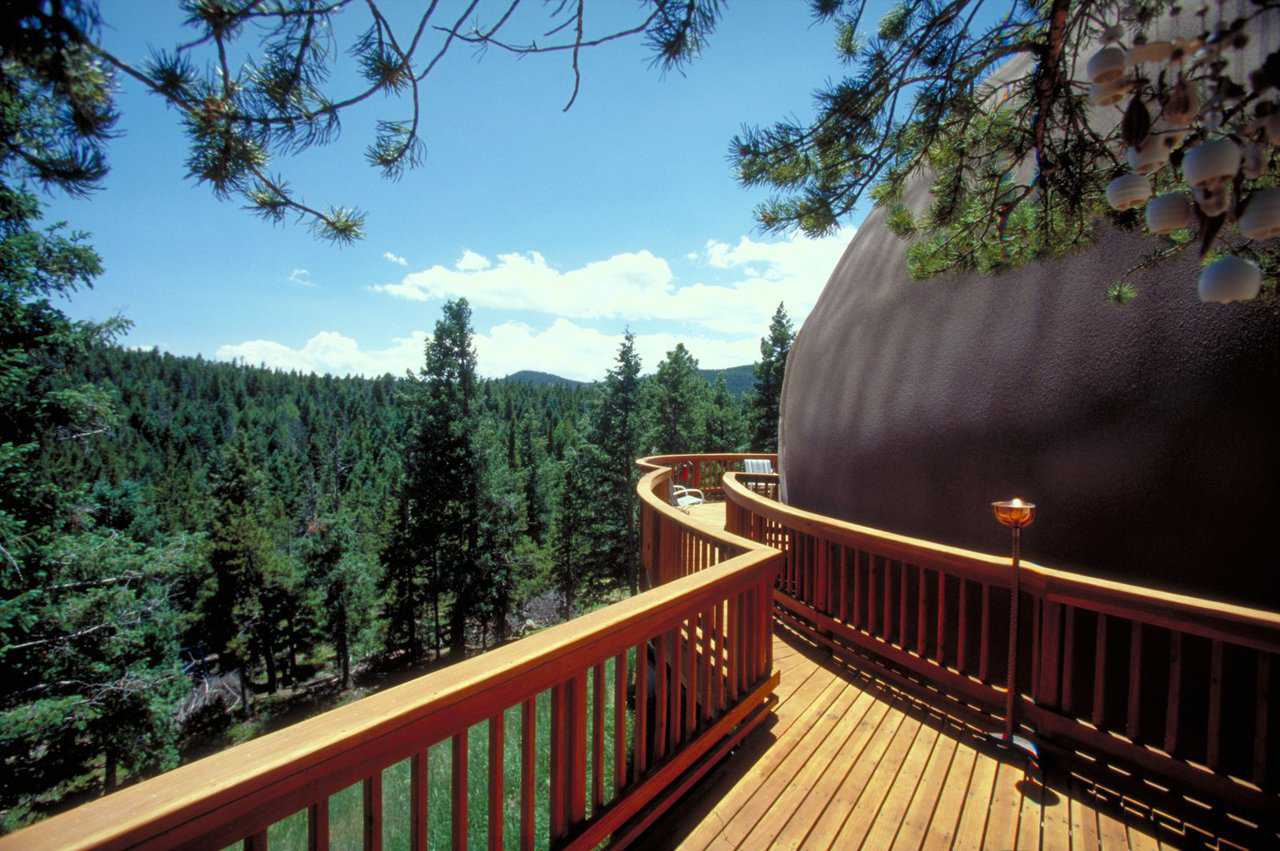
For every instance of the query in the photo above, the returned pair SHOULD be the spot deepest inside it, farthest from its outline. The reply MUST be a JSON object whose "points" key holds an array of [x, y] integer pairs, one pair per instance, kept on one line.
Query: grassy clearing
{"points": [[345, 815]]}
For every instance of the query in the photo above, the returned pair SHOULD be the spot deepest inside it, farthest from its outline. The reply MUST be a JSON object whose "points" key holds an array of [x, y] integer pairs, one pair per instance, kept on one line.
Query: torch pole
{"points": [[1011, 697]]}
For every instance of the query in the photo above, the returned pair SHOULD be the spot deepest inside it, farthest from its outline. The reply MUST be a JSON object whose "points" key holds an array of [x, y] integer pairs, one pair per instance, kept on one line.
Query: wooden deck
{"points": [[709, 514], [846, 763]]}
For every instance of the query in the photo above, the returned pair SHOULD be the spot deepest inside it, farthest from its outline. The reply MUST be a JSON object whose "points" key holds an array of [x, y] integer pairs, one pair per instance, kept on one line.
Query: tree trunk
{"points": [[458, 628], [109, 772], [244, 691], [270, 654], [344, 649]]}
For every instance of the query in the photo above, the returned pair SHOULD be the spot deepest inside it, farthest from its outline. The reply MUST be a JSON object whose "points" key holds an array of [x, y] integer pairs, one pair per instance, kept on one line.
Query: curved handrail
{"points": [[1063, 585], [689, 546], [1116, 670]]}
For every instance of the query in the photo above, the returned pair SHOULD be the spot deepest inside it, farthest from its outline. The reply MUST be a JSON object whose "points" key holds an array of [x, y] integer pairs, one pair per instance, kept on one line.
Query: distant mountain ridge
{"points": [[532, 376], [737, 379]]}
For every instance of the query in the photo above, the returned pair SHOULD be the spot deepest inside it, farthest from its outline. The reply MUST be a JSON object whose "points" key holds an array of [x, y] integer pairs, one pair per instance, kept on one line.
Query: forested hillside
{"points": [[229, 546]]}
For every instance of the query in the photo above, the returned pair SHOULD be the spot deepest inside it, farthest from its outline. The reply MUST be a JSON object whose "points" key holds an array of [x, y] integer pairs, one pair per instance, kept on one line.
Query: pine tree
{"points": [[572, 541], [617, 430], [677, 397], [767, 390], [88, 624], [239, 555], [725, 428], [343, 581]]}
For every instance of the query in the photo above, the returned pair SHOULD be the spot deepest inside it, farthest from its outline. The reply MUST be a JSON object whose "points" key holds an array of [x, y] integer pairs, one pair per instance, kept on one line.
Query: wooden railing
{"points": [[1173, 691], [671, 546], [678, 674]]}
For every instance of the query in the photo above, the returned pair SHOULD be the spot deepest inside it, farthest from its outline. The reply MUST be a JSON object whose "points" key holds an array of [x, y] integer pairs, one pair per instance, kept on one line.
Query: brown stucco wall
{"points": [[1147, 434]]}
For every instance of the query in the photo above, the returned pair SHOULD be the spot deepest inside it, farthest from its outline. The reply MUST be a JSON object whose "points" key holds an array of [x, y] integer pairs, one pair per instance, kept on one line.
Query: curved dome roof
{"points": [[1147, 434]]}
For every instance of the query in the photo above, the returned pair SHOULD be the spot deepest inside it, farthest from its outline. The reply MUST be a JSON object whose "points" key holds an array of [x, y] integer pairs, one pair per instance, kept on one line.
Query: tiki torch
{"points": [[1016, 514]]}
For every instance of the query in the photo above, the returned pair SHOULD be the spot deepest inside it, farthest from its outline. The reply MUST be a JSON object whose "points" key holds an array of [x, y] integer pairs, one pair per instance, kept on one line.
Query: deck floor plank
{"points": [[893, 811], [845, 762], [955, 787], [977, 805], [770, 788], [872, 796], [1111, 832], [915, 823], [825, 759], [800, 821], [1006, 807]]}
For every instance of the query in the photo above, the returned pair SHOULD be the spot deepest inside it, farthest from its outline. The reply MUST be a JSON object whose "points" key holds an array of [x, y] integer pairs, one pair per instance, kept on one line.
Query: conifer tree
{"points": [[572, 541], [617, 431], [678, 394], [88, 623], [767, 389], [343, 581], [239, 554], [725, 429], [441, 493], [534, 500]]}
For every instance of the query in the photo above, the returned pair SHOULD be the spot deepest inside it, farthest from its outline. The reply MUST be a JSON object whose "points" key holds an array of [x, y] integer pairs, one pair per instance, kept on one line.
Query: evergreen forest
{"points": [[195, 551]]}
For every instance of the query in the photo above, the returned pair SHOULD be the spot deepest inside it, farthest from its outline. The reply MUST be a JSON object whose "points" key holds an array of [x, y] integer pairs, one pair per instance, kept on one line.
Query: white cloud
{"points": [[575, 351], [563, 348], [331, 352], [640, 285], [301, 278], [394, 258], [471, 262]]}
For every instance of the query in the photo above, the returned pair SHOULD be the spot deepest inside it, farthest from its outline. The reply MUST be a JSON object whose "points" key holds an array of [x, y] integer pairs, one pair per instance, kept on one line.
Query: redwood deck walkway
{"points": [[846, 762]]}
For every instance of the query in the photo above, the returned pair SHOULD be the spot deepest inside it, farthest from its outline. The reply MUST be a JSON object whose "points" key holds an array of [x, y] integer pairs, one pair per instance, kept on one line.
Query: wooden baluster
{"points": [[765, 596], [1100, 672], [873, 599], [984, 638], [640, 730], [717, 627], [691, 681], [578, 750], [859, 595], [419, 805], [373, 812], [903, 596], [1051, 655], [1133, 726], [674, 693], [497, 798], [660, 703], [597, 738], [559, 771], [1037, 647], [742, 624], [619, 723], [1068, 661], [921, 600], [528, 773], [962, 627], [940, 649], [1175, 692], [318, 826], [1215, 705], [256, 842], [822, 568], [708, 666], [731, 638], [1262, 709], [750, 639], [840, 560]]}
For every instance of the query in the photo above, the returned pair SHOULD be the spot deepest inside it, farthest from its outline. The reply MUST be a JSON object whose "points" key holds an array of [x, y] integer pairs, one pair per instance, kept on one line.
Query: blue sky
{"points": [[560, 228]]}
